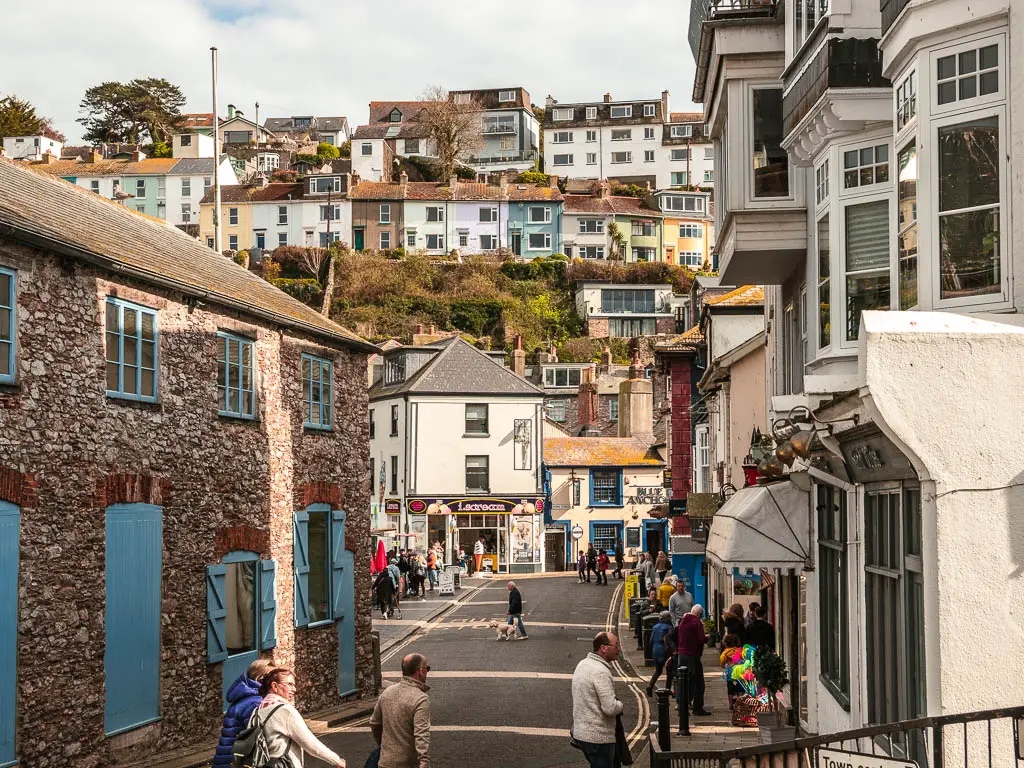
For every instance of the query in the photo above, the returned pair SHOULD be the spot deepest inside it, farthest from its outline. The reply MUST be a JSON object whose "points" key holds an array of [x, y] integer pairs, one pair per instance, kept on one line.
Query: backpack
{"points": [[251, 750], [671, 641]]}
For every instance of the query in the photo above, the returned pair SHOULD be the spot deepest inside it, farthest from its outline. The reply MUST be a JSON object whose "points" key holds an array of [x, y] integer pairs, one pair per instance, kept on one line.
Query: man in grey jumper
{"points": [[680, 603], [594, 705]]}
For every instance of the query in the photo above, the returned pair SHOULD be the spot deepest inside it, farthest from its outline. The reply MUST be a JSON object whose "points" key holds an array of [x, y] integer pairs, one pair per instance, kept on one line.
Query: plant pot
{"points": [[750, 474], [773, 729]]}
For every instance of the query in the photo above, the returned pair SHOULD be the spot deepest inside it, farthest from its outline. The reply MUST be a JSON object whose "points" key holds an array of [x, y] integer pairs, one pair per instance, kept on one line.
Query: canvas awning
{"points": [[763, 526]]}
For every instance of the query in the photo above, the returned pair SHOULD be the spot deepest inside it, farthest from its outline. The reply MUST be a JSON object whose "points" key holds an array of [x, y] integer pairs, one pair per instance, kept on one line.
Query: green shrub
{"points": [[329, 151], [306, 290], [241, 258], [532, 177], [311, 159]]}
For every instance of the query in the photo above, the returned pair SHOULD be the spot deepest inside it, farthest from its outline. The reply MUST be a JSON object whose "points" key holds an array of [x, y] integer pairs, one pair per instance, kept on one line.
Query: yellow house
{"points": [[236, 206], [689, 227]]}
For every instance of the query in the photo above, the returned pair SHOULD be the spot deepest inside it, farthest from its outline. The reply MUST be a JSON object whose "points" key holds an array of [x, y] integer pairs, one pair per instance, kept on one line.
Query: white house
{"points": [[329, 130], [191, 145], [456, 453], [31, 147]]}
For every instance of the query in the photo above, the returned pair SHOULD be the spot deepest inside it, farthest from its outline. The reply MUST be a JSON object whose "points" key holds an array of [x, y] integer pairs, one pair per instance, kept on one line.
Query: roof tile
{"points": [[744, 296]]}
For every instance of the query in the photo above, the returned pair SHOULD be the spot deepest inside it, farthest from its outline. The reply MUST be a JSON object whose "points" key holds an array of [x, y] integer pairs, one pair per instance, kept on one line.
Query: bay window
{"points": [[824, 284], [867, 261], [770, 161], [906, 242]]}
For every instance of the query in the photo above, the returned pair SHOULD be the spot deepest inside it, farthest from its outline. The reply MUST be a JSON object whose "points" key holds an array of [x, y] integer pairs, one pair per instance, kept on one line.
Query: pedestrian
{"points": [[602, 568], [419, 577], [432, 567], [618, 559], [462, 558], [666, 590], [594, 704], [648, 571], [515, 609], [691, 641], [581, 568], [731, 644], [384, 590], [478, 553], [680, 603], [751, 614], [662, 631], [243, 697], [400, 722], [761, 632], [663, 565], [733, 621], [403, 569], [591, 561], [286, 732]]}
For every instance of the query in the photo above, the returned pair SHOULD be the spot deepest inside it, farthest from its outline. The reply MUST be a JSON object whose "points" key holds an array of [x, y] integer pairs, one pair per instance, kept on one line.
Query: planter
{"points": [[750, 474], [773, 729]]}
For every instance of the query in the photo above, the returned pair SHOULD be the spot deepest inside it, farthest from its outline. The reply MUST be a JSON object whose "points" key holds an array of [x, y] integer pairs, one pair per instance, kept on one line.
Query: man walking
{"points": [[618, 559], [691, 648], [680, 603], [761, 632], [515, 609], [594, 705], [400, 723]]}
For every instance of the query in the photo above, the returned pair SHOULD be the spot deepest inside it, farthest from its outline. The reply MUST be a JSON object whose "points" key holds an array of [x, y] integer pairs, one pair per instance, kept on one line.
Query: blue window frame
{"points": [[606, 487], [317, 396], [605, 534], [321, 564], [131, 341], [235, 390], [7, 321]]}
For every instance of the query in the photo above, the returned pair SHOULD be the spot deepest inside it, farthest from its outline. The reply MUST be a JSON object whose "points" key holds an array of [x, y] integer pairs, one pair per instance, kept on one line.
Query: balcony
{"points": [[890, 10], [503, 128], [507, 158], [720, 10]]}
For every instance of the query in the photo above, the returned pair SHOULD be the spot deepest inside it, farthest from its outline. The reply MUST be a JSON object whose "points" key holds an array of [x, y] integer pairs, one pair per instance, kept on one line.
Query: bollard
{"points": [[664, 726], [683, 697], [639, 630]]}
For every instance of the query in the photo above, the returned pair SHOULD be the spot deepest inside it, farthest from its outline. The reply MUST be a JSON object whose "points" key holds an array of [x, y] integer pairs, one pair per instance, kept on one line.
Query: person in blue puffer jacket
{"points": [[243, 698], [658, 648]]}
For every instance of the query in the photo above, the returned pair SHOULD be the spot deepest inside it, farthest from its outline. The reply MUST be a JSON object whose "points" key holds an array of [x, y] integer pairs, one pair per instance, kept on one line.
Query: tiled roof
{"points": [[379, 110], [60, 215], [599, 452], [413, 130], [285, 124], [251, 193], [744, 296], [149, 166], [436, 190], [686, 340], [197, 119], [193, 166], [613, 204], [687, 117]]}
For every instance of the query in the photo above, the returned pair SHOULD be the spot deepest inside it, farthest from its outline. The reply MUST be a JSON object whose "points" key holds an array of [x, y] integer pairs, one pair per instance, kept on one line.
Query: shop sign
{"points": [[677, 507], [393, 507], [874, 457], [647, 494], [475, 505], [834, 758], [666, 481]]}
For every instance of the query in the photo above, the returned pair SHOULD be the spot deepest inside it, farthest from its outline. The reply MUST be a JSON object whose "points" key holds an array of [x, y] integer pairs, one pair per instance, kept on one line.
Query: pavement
{"points": [[501, 703]]}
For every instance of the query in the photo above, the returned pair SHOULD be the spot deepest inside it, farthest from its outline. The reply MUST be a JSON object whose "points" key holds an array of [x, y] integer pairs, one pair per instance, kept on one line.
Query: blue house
{"points": [[534, 220]]}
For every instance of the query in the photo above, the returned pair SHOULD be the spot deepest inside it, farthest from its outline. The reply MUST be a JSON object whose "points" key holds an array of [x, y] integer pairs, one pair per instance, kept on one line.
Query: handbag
{"points": [[622, 752]]}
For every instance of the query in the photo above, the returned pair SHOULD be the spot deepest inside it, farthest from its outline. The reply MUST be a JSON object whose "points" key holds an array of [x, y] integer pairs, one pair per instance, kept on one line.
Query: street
{"points": [[486, 696]]}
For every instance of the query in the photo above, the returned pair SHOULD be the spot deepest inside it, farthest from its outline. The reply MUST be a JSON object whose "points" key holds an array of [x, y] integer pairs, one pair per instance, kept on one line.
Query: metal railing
{"points": [[989, 738], [512, 157], [711, 10], [500, 128]]}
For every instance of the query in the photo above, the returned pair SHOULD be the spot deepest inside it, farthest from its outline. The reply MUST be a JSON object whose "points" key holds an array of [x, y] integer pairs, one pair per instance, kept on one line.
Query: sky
{"points": [[311, 57]]}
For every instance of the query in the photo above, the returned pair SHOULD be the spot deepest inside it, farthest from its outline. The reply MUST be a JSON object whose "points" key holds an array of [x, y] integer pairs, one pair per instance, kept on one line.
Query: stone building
{"points": [[183, 484]]}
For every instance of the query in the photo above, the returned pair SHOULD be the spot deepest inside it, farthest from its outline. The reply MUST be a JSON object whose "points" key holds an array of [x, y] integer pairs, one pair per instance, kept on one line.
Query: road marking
{"points": [[488, 673], [519, 730]]}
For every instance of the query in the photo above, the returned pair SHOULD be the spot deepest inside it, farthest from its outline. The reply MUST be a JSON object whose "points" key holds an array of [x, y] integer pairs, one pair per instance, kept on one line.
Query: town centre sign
{"points": [[834, 758]]}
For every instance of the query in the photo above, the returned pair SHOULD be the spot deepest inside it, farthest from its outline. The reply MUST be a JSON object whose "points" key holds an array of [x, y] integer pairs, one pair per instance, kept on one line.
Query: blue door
{"points": [[358, 238], [132, 657], [10, 523], [343, 588]]}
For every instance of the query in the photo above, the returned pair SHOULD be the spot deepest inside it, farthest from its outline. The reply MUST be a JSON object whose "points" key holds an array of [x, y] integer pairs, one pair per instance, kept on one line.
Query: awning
{"points": [[763, 526]]}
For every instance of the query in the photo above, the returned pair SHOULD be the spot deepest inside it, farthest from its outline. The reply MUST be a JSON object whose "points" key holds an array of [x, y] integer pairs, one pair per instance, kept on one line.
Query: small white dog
{"points": [[505, 631]]}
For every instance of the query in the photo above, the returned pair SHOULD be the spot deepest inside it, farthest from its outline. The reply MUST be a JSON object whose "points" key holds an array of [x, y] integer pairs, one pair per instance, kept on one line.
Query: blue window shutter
{"points": [[590, 483], [268, 604], [300, 549], [337, 563], [10, 524], [618, 498], [216, 613]]}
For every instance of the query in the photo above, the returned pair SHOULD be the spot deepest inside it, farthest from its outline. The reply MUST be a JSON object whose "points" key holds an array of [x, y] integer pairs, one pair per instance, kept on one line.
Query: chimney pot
{"points": [[553, 181], [452, 181], [419, 329], [552, 354], [403, 178], [231, 111], [519, 357], [549, 102], [136, 156], [607, 98], [94, 156]]}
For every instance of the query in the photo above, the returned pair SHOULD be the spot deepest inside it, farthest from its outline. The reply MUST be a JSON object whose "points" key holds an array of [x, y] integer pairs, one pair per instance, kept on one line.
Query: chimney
{"points": [[636, 370], [49, 157], [549, 102], [231, 111], [261, 180], [503, 180], [604, 191], [666, 113], [636, 409], [136, 156], [606, 360], [553, 181], [586, 403], [519, 357], [403, 178], [552, 354], [452, 181], [419, 329], [94, 156], [607, 98]]}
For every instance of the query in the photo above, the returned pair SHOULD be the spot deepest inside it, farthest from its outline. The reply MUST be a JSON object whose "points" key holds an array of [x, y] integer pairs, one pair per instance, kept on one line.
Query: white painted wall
{"points": [[31, 147], [729, 331], [200, 145], [371, 166], [588, 297], [416, 218]]}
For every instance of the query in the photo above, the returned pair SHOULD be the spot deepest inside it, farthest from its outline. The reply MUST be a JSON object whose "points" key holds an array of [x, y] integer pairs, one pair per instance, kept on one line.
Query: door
{"points": [[132, 656], [359, 238], [654, 533], [10, 523], [261, 240], [344, 596], [554, 550], [517, 243]]}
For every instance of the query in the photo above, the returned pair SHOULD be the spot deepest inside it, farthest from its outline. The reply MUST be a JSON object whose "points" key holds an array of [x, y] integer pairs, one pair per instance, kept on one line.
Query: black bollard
{"points": [[664, 726], [639, 630], [683, 696]]}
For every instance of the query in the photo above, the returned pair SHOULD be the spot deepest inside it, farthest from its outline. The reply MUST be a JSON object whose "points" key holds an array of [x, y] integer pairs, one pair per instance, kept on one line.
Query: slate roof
{"points": [[611, 205], [600, 452], [57, 215], [151, 166], [379, 110], [744, 296], [458, 368], [687, 340], [193, 166], [686, 117], [466, 191], [285, 124], [487, 98], [413, 130]]}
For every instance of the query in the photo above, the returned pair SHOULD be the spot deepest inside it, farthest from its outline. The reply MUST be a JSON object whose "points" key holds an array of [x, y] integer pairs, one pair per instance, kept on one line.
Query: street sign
{"points": [[835, 758], [577, 532], [667, 479], [630, 592]]}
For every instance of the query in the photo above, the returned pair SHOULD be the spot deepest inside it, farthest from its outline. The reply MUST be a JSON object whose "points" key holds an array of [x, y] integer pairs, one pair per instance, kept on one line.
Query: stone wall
{"points": [[69, 451]]}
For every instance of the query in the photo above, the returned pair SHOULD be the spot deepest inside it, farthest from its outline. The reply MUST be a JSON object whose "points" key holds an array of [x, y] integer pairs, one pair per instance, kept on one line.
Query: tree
{"points": [[345, 150], [539, 113], [327, 151], [455, 128], [134, 112], [18, 118]]}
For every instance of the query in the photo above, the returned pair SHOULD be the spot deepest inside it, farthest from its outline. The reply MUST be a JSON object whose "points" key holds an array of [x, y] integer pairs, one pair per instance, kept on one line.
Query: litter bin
{"points": [[636, 605], [648, 628]]}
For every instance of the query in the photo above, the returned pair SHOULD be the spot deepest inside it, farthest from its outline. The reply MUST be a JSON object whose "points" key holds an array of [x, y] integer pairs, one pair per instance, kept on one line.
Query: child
{"points": [[243, 698], [581, 569]]}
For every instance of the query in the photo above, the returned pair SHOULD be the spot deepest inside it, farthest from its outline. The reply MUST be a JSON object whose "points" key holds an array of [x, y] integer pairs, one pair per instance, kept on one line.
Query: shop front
{"points": [[511, 529]]}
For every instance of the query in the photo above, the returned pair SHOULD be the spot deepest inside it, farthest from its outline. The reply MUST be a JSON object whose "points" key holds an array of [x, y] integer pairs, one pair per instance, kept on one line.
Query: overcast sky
{"points": [[312, 57]]}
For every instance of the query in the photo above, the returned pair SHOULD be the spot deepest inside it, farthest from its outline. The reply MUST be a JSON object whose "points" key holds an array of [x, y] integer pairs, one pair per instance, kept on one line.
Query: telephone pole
{"points": [[216, 157]]}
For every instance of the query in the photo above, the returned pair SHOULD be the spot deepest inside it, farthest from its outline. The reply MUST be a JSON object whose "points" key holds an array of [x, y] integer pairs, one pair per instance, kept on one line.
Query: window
{"points": [[793, 347], [142, 209], [821, 183], [591, 136], [806, 15], [233, 216], [435, 242], [435, 213], [186, 186], [463, 98], [131, 341], [209, 242], [561, 137], [702, 465], [906, 239], [591, 113], [385, 240], [326, 238], [649, 110], [186, 140], [322, 185], [140, 188], [562, 377], [709, 177], [771, 163], [489, 214], [477, 480], [681, 154], [207, 184], [320, 563], [561, 114], [366, 148], [648, 155], [269, 161], [906, 100], [373, 479], [622, 157], [394, 372], [410, 238], [506, 142], [540, 241], [412, 146], [591, 158], [867, 261], [488, 242], [591, 226], [629, 328], [282, 214], [161, 187], [7, 324], [625, 110], [394, 474], [373, 433], [556, 410], [186, 213], [691, 230], [463, 239], [622, 134], [592, 251], [643, 228], [832, 590], [394, 419], [540, 214], [385, 213], [317, 379], [504, 96], [395, 116], [648, 133], [968, 74], [680, 131], [627, 301], [869, 165], [236, 392], [605, 487], [824, 285], [282, 239], [94, 186], [709, 153], [678, 179], [476, 418], [331, 213], [563, 160], [969, 161], [691, 258], [605, 536], [613, 408]]}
